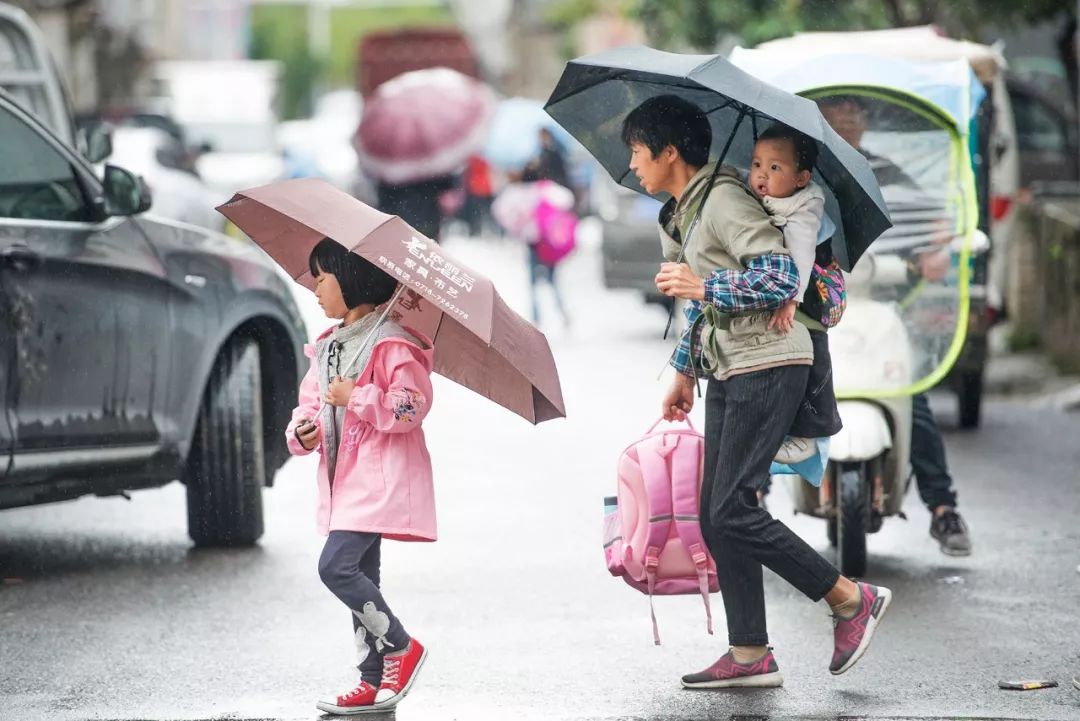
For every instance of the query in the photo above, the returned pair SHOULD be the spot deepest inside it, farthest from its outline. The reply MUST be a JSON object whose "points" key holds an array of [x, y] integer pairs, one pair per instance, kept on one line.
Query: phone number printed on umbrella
{"points": [[406, 276]]}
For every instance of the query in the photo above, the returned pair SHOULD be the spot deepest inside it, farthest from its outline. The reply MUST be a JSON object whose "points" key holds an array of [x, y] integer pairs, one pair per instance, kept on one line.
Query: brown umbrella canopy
{"points": [[479, 341]]}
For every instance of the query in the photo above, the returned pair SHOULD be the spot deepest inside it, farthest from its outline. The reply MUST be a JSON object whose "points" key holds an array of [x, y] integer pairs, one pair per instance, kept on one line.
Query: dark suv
{"points": [[133, 351]]}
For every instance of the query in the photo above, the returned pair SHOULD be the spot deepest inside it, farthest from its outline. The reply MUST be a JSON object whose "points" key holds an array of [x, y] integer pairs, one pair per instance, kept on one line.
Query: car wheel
{"points": [[969, 394], [226, 469]]}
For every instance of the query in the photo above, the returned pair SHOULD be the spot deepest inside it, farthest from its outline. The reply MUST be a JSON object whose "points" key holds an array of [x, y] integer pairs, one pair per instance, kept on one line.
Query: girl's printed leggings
{"points": [[349, 566]]}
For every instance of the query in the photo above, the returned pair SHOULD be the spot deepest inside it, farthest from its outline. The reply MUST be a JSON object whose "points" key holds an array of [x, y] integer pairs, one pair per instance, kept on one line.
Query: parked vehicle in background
{"points": [[182, 154], [1046, 136], [630, 244], [386, 54], [227, 108], [134, 351], [178, 193]]}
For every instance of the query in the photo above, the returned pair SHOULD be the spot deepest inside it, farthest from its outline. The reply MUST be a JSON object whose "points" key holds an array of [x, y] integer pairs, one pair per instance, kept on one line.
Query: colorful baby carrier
{"points": [[826, 297]]}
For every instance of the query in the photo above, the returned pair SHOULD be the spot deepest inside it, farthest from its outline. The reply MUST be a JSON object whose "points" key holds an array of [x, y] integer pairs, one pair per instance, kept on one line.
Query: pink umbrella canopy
{"points": [[423, 124], [479, 341]]}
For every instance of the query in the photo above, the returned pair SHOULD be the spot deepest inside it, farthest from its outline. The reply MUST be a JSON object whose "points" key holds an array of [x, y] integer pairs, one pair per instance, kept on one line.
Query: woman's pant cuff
{"points": [[749, 639], [824, 590]]}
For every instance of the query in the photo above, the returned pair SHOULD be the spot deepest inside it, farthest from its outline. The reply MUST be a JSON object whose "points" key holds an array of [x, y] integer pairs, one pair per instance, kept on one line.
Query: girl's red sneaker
{"points": [[399, 673], [358, 701]]}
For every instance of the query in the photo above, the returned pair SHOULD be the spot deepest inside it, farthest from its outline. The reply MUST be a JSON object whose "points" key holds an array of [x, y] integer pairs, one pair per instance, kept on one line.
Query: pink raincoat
{"points": [[383, 480]]}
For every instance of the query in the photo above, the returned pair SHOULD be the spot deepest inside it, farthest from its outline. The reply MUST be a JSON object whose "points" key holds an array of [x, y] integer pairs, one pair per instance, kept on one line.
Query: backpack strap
{"points": [[652, 457], [686, 463]]}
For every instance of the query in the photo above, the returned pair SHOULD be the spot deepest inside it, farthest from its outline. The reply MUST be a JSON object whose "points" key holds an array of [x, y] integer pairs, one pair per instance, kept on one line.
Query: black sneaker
{"points": [[951, 532]]}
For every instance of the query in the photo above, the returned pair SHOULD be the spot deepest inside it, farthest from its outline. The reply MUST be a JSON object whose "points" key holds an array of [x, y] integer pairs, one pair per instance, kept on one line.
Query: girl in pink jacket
{"points": [[361, 406]]}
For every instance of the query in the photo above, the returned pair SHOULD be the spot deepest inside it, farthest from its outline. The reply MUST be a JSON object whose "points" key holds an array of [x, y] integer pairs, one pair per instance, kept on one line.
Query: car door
{"points": [[91, 335]]}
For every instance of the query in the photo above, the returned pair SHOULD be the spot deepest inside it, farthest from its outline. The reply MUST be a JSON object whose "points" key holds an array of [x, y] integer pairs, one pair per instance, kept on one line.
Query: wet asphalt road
{"points": [[106, 612]]}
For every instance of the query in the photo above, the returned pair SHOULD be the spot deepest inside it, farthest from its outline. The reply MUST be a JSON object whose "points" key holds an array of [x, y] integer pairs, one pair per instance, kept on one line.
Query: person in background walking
{"points": [[416, 203], [479, 194], [540, 213], [551, 164]]}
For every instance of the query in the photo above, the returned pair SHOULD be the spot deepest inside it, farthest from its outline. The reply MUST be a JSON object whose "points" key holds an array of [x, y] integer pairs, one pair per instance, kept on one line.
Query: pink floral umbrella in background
{"points": [[423, 124]]}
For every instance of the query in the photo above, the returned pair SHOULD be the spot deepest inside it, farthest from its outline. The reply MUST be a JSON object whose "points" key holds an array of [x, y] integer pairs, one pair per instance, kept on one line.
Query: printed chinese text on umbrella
{"points": [[597, 92], [479, 341]]}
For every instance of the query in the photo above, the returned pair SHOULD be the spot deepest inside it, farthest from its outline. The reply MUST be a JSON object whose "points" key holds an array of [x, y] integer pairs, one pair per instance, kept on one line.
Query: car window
{"points": [[36, 180], [1038, 129]]}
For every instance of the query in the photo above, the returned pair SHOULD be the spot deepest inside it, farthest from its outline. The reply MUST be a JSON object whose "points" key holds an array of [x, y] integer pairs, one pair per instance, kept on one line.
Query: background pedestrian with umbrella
{"points": [[417, 132], [670, 110]]}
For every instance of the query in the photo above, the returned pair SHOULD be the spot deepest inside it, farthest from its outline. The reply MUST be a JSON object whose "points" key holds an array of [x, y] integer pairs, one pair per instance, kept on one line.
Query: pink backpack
{"points": [[652, 535], [556, 230]]}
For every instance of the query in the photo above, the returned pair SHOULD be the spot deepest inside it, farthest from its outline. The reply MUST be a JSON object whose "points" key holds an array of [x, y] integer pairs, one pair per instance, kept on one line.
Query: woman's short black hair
{"points": [[361, 280], [670, 120], [806, 150]]}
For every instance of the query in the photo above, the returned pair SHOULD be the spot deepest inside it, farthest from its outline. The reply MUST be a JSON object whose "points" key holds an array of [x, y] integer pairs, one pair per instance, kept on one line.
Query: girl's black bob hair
{"points": [[361, 280]]}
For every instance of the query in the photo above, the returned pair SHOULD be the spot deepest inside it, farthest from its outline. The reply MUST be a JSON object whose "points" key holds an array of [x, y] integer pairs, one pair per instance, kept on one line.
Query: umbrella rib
{"points": [[435, 335], [727, 145], [577, 91], [730, 102]]}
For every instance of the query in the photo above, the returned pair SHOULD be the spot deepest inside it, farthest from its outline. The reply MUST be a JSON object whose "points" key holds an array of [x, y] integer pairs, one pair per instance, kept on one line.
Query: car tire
{"points": [[226, 469], [969, 393]]}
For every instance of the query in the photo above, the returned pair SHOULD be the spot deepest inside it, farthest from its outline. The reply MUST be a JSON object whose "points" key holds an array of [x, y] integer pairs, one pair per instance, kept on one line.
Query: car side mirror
{"points": [[125, 192], [98, 141]]}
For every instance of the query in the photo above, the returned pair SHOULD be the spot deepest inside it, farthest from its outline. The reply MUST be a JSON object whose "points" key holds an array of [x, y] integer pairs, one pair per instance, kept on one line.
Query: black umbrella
{"points": [[595, 94]]}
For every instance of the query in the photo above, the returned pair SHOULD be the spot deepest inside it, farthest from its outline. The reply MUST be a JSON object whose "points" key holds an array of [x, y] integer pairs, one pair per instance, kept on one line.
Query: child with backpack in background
{"points": [[541, 213], [365, 396]]}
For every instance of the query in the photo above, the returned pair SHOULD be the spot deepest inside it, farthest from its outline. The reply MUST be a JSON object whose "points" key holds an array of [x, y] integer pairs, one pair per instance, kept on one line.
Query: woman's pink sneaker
{"points": [[851, 636], [727, 673]]}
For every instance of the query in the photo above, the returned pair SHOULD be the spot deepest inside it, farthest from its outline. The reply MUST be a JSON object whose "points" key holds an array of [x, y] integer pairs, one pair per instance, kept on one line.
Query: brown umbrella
{"points": [[479, 342]]}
